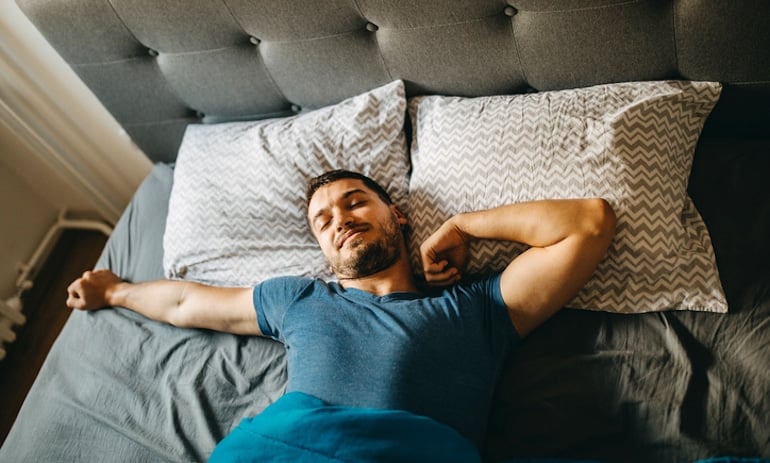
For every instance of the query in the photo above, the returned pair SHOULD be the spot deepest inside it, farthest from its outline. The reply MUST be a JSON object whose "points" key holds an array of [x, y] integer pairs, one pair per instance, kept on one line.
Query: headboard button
{"points": [[254, 40], [152, 52], [295, 108], [510, 11], [371, 27]]}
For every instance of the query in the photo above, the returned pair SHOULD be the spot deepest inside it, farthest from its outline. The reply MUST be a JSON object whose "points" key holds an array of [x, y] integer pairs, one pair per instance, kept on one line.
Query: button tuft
{"points": [[152, 52], [510, 11], [371, 27], [254, 40], [296, 108]]}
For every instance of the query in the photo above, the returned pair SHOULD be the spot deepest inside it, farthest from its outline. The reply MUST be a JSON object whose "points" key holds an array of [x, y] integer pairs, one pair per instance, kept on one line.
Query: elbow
{"points": [[176, 317], [601, 219], [178, 312]]}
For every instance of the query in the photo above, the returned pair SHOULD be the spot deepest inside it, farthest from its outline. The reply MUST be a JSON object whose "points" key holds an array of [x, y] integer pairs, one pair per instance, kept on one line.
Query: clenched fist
{"points": [[92, 290], [444, 255]]}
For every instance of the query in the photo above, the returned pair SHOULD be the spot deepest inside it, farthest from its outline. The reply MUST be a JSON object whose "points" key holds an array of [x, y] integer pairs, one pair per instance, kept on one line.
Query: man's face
{"points": [[358, 232]]}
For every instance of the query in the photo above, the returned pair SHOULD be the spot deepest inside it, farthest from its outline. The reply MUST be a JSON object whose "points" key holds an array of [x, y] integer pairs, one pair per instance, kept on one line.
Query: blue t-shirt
{"points": [[438, 354]]}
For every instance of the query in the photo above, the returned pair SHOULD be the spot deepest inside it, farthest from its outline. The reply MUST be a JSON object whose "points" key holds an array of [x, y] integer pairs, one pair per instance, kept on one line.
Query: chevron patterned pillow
{"points": [[237, 206], [631, 143]]}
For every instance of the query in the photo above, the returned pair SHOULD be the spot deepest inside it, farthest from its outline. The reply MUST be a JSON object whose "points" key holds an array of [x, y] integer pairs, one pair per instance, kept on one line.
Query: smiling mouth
{"points": [[350, 234]]}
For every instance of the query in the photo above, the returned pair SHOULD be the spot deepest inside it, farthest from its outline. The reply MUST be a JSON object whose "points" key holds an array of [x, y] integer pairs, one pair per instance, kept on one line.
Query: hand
{"points": [[444, 255], [91, 291]]}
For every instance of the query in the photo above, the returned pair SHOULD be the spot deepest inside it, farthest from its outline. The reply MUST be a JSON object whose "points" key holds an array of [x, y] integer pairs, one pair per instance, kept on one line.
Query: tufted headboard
{"points": [[160, 65], [666, 386]]}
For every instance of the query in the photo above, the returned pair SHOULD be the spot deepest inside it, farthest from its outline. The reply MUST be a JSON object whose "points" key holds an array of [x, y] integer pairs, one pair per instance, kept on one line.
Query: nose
{"points": [[343, 221]]}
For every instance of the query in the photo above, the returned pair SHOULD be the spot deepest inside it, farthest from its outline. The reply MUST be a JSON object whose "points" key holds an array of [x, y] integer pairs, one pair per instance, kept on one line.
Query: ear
{"points": [[402, 220]]}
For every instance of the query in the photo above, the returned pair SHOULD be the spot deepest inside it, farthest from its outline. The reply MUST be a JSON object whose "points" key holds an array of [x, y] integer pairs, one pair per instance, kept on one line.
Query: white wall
{"points": [[59, 148], [25, 216]]}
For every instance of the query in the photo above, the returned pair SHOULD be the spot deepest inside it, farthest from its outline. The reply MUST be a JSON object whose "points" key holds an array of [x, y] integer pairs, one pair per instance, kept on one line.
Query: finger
{"points": [[447, 277], [74, 293], [74, 301], [436, 267], [76, 287], [443, 283], [428, 253]]}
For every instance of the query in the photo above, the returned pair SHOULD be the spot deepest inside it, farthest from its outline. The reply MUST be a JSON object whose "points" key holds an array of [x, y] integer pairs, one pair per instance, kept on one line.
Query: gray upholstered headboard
{"points": [[159, 65]]}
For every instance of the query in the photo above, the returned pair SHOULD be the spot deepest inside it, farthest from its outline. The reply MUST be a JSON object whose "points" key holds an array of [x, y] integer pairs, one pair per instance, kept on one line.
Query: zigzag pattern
{"points": [[237, 206], [629, 143]]}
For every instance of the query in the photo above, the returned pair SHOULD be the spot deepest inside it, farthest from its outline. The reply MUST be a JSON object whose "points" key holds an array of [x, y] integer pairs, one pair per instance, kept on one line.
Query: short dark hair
{"points": [[333, 175]]}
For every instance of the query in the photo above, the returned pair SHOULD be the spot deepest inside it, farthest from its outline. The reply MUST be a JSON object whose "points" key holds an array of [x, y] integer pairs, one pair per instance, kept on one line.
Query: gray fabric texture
{"points": [[119, 387]]}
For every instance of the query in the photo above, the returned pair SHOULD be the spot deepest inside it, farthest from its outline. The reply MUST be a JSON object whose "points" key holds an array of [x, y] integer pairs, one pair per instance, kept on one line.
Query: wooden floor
{"points": [[46, 313]]}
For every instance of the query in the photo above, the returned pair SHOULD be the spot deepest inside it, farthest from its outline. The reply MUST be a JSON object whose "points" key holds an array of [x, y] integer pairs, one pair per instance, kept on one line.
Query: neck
{"points": [[394, 279]]}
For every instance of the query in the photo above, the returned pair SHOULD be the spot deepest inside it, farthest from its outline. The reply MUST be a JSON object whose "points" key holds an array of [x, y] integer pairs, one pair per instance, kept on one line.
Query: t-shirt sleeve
{"points": [[272, 298], [496, 316]]}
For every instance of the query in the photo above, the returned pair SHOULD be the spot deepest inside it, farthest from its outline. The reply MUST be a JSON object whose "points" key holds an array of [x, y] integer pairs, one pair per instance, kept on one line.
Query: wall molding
{"points": [[73, 136]]}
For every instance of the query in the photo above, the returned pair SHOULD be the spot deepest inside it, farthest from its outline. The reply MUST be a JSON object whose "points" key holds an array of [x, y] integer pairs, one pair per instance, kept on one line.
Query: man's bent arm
{"points": [[568, 238], [180, 303]]}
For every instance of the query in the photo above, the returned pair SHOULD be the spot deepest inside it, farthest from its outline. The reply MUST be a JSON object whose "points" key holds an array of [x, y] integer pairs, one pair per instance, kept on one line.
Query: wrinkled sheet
{"points": [[663, 387], [668, 386], [119, 387]]}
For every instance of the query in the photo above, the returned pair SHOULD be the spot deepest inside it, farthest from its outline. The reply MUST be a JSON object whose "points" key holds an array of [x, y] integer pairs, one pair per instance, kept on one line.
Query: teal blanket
{"points": [[301, 428]]}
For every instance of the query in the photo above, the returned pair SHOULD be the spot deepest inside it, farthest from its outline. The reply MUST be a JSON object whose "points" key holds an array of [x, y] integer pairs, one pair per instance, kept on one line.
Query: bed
{"points": [[432, 98]]}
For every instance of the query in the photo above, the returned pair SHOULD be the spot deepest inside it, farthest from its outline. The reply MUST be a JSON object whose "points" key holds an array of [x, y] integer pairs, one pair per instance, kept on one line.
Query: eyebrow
{"points": [[345, 195]]}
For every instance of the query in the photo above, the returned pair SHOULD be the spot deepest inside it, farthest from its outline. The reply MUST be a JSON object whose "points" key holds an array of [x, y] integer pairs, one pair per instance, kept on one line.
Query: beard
{"points": [[369, 258]]}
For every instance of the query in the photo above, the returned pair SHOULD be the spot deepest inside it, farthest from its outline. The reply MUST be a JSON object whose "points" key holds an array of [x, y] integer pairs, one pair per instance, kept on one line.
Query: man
{"points": [[375, 340]]}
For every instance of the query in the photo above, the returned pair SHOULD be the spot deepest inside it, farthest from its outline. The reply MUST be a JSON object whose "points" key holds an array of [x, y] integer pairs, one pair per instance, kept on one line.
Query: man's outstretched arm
{"points": [[180, 303], [568, 238]]}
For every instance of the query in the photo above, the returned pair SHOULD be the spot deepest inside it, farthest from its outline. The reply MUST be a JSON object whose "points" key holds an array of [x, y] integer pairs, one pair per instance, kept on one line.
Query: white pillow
{"points": [[631, 143], [237, 206]]}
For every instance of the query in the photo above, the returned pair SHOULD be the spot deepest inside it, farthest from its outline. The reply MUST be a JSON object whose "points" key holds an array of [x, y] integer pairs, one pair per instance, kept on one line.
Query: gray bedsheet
{"points": [[119, 387], [660, 387], [664, 387]]}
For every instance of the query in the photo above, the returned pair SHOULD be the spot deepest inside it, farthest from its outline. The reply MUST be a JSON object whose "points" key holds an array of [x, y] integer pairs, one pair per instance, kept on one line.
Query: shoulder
{"points": [[289, 287], [287, 282], [478, 286], [480, 294], [274, 298], [486, 297]]}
